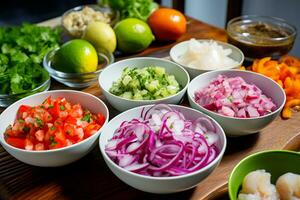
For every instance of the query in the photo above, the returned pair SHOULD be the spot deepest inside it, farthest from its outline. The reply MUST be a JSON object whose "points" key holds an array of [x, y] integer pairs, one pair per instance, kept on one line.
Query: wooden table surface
{"points": [[90, 178]]}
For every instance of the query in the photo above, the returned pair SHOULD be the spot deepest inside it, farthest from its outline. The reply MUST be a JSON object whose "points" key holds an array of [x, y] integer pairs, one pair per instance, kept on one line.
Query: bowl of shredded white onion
{"points": [[199, 56]]}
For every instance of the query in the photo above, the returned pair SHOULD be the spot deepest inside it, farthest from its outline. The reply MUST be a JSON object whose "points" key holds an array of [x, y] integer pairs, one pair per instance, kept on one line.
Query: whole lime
{"points": [[101, 36], [76, 56], [133, 35]]}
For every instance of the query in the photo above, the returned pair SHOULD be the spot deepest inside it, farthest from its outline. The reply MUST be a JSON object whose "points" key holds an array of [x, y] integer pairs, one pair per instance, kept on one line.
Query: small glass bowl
{"points": [[243, 32], [77, 80], [8, 99], [114, 16]]}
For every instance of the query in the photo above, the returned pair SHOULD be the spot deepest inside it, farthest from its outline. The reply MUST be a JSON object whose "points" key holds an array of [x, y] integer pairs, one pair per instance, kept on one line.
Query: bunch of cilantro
{"points": [[140, 9], [22, 49]]}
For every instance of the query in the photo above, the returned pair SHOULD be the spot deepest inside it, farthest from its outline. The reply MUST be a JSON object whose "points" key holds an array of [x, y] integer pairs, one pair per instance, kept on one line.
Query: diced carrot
{"points": [[287, 110], [286, 72]]}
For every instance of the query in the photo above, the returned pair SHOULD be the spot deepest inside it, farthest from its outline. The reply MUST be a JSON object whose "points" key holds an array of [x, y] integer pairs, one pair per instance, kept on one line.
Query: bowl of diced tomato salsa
{"points": [[52, 128]]}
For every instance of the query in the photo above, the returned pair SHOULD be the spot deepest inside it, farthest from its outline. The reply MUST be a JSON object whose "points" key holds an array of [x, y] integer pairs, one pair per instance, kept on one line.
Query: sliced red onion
{"points": [[158, 107], [126, 160], [136, 167], [163, 143]]}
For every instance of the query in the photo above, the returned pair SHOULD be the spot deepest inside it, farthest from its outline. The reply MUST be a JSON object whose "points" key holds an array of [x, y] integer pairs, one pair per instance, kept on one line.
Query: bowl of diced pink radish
{"points": [[243, 102]]}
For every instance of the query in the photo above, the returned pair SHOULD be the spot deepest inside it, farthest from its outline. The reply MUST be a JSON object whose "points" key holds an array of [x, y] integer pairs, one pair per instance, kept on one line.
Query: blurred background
{"points": [[215, 12]]}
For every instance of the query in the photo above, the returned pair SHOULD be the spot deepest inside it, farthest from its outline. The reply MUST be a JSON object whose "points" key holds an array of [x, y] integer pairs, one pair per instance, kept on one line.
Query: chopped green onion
{"points": [[62, 108], [87, 118]]}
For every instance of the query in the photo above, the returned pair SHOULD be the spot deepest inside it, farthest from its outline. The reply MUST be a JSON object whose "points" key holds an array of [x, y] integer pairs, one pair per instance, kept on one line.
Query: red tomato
{"points": [[69, 129], [71, 120], [54, 110], [23, 109], [91, 129], [100, 118], [16, 142]]}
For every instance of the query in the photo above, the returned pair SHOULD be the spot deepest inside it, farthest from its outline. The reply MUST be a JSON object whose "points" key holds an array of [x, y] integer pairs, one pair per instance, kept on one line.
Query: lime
{"points": [[76, 56], [133, 35], [101, 36]]}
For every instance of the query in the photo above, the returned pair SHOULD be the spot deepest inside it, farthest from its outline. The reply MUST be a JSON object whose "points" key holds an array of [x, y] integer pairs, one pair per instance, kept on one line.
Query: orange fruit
{"points": [[167, 24]]}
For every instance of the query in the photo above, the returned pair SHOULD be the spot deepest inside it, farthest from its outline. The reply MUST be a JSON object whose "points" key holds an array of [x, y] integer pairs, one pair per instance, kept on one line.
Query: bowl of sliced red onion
{"points": [[243, 102], [162, 148]]}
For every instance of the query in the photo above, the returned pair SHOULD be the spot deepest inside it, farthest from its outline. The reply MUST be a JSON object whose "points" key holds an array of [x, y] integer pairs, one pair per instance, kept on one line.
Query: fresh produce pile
{"points": [[163, 143], [21, 55], [147, 83], [234, 97], [257, 185], [56, 123], [139, 19], [286, 72]]}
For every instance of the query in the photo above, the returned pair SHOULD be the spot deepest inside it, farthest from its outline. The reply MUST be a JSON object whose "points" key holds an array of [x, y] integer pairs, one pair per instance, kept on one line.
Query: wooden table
{"points": [[90, 178]]}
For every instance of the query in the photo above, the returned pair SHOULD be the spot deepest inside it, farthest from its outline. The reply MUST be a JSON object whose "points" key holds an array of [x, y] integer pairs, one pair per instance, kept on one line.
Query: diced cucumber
{"points": [[145, 83], [127, 95]]}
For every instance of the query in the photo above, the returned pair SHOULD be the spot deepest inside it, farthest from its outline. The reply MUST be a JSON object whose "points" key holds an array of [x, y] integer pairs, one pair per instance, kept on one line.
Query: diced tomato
{"points": [[54, 111], [91, 129], [79, 132], [23, 109], [100, 118], [47, 103], [71, 120], [69, 129], [76, 111], [55, 123], [28, 144], [16, 142], [56, 145], [39, 147], [40, 134]]}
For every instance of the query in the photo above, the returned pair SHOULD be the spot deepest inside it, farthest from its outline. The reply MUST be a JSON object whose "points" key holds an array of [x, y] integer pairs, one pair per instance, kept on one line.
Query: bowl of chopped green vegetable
{"points": [[77, 80], [142, 81], [21, 55]]}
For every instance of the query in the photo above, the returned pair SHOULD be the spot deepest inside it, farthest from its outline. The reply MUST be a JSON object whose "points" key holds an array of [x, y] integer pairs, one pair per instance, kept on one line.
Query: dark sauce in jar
{"points": [[260, 39]]}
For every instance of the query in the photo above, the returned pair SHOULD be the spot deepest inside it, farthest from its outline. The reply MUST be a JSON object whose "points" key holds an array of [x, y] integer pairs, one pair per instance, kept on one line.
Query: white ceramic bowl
{"points": [[61, 156], [159, 184], [114, 71], [240, 126], [179, 49]]}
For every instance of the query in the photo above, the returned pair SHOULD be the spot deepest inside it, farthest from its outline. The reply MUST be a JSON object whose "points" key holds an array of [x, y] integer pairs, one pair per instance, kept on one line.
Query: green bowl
{"points": [[275, 162]]}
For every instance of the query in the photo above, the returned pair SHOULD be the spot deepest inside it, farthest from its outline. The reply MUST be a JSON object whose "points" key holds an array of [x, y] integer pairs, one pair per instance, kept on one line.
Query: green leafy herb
{"points": [[62, 108], [87, 117], [52, 128], [21, 121], [22, 49], [140, 9]]}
